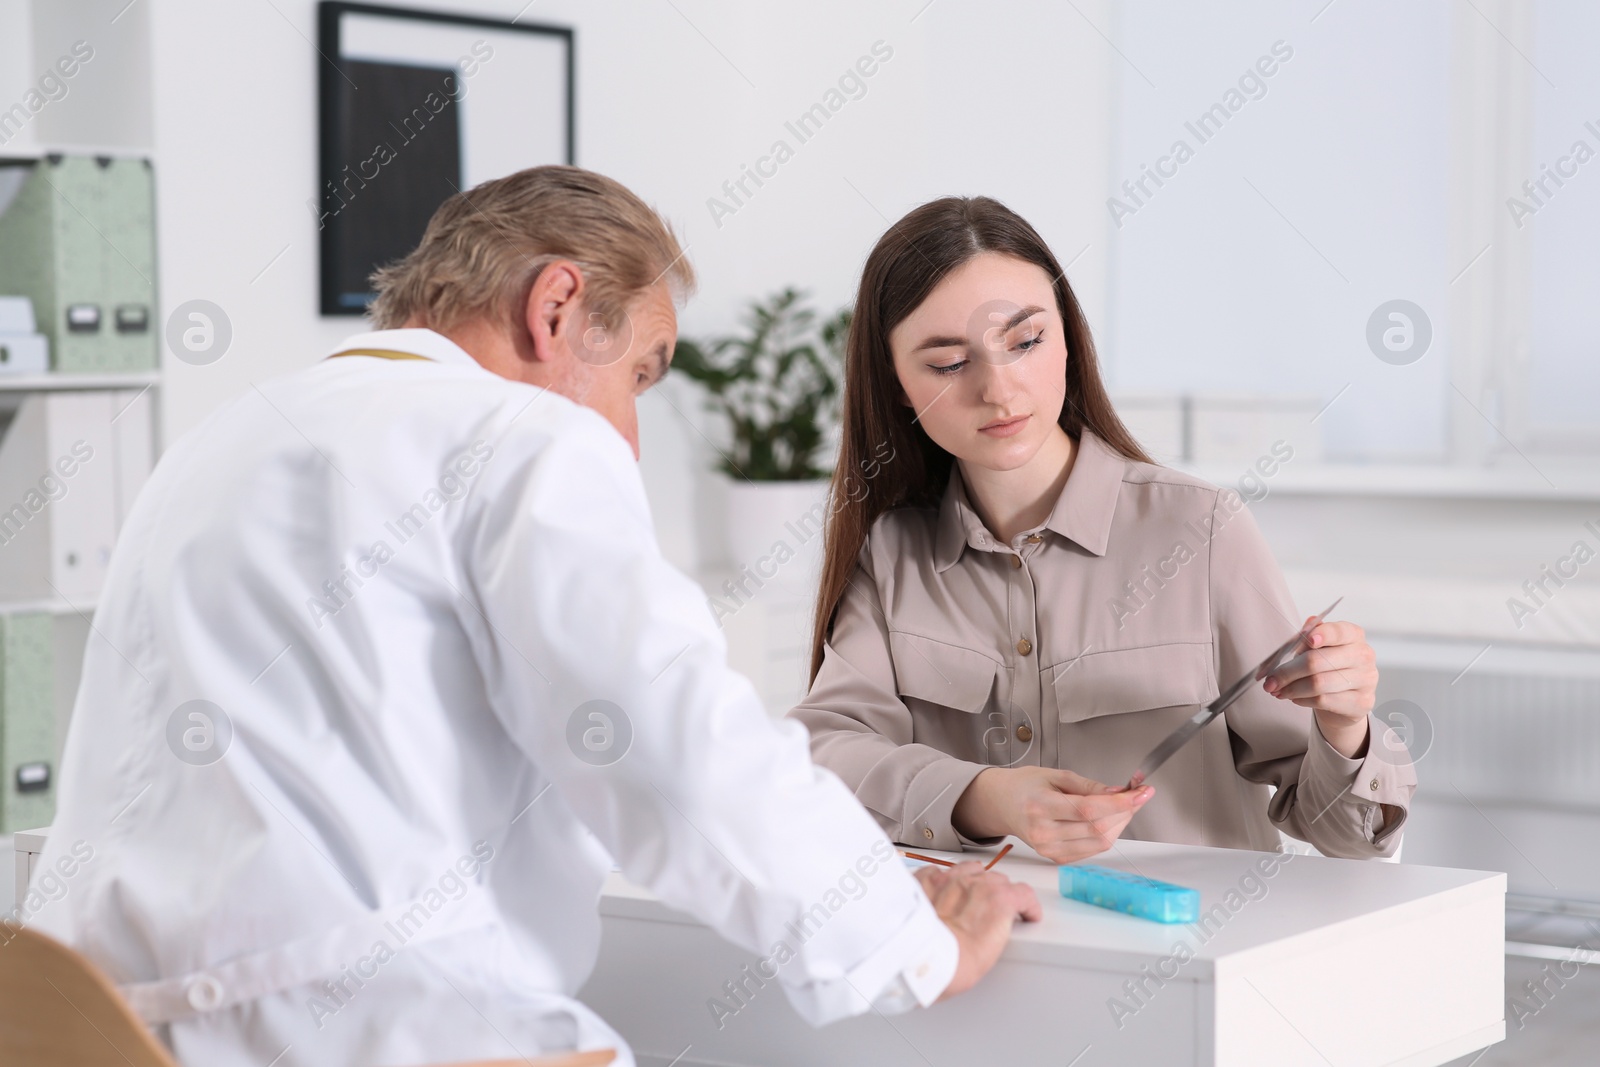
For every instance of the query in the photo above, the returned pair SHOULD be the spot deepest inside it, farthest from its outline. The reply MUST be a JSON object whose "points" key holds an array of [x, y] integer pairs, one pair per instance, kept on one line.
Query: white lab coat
{"points": [[399, 581]]}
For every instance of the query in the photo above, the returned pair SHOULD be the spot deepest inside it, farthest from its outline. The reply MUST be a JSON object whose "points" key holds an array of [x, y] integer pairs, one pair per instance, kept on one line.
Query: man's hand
{"points": [[1337, 678], [1062, 816], [979, 907]]}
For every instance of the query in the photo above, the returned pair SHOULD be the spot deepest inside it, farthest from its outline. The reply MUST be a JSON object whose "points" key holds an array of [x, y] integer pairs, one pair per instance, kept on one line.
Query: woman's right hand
{"points": [[1063, 816]]}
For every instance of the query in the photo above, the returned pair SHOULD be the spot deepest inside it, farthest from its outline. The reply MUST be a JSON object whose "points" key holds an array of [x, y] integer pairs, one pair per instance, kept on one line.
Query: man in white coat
{"points": [[389, 670]]}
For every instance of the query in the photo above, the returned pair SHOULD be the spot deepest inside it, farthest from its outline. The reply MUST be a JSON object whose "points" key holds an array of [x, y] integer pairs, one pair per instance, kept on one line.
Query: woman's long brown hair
{"points": [[907, 263]]}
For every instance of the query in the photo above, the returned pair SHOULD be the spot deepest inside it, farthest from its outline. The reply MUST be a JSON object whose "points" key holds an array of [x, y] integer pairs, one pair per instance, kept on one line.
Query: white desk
{"points": [[1334, 962]]}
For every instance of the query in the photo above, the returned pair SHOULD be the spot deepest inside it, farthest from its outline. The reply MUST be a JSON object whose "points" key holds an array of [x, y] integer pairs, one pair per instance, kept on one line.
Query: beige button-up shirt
{"points": [[1080, 645]]}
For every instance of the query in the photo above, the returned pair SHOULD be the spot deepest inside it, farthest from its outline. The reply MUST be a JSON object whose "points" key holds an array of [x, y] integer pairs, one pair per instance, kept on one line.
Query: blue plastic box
{"points": [[1144, 898]]}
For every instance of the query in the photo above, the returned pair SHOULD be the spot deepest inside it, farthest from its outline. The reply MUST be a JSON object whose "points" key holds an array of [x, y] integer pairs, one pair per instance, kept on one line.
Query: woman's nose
{"points": [[998, 381]]}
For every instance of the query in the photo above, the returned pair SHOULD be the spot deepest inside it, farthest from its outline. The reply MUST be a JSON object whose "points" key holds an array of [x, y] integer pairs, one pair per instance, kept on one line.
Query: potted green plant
{"points": [[777, 385]]}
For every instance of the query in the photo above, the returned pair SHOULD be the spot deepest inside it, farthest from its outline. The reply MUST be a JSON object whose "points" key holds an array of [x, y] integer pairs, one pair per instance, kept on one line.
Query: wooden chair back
{"points": [[59, 1010]]}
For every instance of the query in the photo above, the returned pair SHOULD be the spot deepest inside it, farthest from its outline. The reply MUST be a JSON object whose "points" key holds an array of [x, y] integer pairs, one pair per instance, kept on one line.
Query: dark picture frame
{"points": [[392, 141]]}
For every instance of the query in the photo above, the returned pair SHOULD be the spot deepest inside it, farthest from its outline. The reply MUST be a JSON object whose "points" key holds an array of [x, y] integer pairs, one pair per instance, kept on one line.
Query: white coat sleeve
{"points": [[696, 792]]}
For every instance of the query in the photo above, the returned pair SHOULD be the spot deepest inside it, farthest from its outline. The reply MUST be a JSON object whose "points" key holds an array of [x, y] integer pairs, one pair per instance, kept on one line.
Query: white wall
{"points": [[16, 35], [1256, 264], [1009, 101]]}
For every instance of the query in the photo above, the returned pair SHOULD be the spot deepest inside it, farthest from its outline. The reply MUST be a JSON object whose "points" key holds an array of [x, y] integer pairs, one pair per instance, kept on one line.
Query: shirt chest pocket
{"points": [[1124, 680], [947, 675]]}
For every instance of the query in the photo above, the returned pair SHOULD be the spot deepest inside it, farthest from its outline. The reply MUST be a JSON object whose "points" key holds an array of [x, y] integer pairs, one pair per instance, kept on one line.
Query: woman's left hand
{"points": [[1337, 678]]}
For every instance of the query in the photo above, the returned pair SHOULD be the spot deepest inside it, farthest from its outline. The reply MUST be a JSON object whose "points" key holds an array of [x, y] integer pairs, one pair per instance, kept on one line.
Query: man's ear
{"points": [[553, 301]]}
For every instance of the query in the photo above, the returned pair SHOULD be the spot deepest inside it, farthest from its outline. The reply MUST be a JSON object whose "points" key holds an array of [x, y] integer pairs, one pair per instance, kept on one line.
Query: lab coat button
{"points": [[1373, 785], [927, 831], [203, 993], [1016, 563], [1024, 732], [1034, 539], [1024, 646]]}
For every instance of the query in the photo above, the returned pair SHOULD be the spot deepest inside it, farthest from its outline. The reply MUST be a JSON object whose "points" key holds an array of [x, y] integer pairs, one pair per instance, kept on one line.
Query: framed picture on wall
{"points": [[416, 106]]}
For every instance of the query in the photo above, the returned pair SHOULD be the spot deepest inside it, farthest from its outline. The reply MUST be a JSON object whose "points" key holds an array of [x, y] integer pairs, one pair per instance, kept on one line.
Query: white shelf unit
{"points": [[52, 382], [1457, 655], [81, 608], [107, 112], [1516, 480]]}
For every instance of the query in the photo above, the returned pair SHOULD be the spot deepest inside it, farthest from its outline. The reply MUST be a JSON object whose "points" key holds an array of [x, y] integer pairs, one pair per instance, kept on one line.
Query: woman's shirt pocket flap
{"points": [[1134, 679], [941, 673]]}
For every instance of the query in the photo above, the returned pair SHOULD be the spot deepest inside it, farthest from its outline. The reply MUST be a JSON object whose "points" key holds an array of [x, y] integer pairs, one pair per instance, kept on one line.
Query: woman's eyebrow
{"points": [[1021, 315], [941, 342]]}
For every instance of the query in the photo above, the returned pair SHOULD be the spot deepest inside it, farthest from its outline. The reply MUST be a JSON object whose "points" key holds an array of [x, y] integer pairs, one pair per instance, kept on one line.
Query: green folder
{"points": [[27, 721], [79, 240]]}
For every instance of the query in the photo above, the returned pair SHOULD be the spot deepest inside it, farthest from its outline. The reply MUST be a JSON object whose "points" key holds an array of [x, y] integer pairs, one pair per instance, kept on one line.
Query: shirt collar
{"points": [[1082, 512], [419, 342]]}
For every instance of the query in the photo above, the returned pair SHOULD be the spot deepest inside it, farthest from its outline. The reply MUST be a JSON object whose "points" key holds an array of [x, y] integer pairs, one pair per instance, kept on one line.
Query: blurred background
{"points": [[1340, 254]]}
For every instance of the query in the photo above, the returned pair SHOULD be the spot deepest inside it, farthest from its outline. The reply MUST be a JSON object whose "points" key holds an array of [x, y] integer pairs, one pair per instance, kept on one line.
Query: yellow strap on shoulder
{"points": [[381, 353]]}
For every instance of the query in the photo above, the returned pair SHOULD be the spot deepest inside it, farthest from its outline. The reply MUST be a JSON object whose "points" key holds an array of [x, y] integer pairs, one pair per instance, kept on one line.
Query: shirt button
{"points": [[1373, 785], [1024, 732], [927, 831], [1024, 646], [203, 993], [1016, 563], [1034, 539]]}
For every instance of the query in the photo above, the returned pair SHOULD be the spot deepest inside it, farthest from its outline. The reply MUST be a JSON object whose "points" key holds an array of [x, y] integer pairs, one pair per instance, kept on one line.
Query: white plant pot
{"points": [[776, 528]]}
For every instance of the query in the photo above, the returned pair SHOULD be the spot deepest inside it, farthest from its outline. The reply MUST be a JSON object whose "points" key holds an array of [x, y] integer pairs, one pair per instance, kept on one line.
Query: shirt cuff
{"points": [[1381, 780], [913, 969], [930, 802]]}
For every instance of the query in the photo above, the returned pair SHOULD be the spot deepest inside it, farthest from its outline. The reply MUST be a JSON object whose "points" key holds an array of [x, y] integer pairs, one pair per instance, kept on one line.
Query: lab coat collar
{"points": [[1082, 512], [419, 342]]}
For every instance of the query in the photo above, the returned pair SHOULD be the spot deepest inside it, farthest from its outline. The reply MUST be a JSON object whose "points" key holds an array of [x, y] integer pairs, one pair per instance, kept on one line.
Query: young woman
{"points": [[1018, 604]]}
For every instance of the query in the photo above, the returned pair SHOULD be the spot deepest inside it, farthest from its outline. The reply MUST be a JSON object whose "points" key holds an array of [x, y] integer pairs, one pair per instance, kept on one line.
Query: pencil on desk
{"points": [[998, 856], [926, 859]]}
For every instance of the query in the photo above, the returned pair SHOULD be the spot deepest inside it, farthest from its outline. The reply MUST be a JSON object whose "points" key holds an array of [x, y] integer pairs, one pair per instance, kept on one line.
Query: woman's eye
{"points": [[949, 368], [1030, 343]]}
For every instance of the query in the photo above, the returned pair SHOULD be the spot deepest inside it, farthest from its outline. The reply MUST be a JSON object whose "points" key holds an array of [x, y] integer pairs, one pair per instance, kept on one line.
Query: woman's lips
{"points": [[1007, 428]]}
